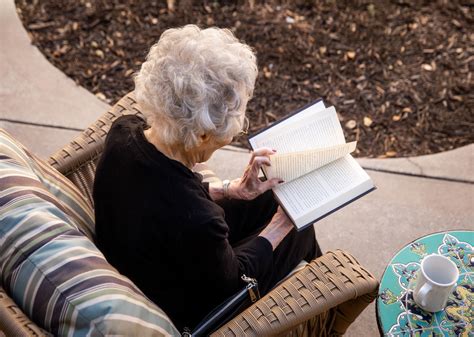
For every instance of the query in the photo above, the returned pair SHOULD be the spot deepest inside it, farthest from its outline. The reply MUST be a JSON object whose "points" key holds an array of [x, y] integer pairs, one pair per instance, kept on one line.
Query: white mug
{"points": [[436, 279]]}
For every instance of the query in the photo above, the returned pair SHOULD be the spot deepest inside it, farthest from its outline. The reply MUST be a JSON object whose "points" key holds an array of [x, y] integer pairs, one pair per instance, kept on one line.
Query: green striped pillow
{"points": [[51, 269]]}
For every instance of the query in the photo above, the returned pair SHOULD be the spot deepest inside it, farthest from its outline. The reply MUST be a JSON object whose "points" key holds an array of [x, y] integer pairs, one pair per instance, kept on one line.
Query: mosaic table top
{"points": [[397, 313]]}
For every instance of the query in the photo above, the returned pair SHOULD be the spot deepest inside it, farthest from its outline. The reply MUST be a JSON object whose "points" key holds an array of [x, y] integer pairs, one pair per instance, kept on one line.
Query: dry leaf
{"points": [[396, 118], [427, 67], [271, 115], [100, 96], [390, 153], [323, 50], [351, 54], [267, 73], [99, 53], [367, 121], [456, 23], [371, 9], [351, 124], [407, 110]]}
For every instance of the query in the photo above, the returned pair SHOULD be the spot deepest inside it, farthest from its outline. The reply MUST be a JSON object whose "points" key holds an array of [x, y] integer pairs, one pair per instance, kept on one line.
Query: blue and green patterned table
{"points": [[397, 313]]}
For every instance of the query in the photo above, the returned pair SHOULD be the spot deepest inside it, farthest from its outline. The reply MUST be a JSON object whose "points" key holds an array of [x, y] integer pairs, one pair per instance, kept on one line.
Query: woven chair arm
{"points": [[334, 287], [13, 322], [78, 159], [89, 144]]}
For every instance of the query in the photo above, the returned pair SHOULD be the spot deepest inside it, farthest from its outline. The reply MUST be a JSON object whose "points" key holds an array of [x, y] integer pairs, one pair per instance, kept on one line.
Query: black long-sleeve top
{"points": [[157, 224]]}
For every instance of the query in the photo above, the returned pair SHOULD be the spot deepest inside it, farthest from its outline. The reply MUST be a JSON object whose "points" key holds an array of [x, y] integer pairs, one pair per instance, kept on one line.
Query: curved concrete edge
{"points": [[40, 140], [229, 162], [456, 164], [32, 90]]}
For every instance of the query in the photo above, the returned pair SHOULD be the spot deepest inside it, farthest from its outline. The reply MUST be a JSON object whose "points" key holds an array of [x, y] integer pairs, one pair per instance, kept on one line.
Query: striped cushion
{"points": [[52, 270], [71, 202]]}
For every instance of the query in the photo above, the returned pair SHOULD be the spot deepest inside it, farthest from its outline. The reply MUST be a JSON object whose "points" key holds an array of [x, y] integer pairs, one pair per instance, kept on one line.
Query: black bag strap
{"points": [[227, 309]]}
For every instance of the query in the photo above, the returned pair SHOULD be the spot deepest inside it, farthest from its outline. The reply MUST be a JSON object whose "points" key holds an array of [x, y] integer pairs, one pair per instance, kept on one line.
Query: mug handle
{"points": [[424, 290]]}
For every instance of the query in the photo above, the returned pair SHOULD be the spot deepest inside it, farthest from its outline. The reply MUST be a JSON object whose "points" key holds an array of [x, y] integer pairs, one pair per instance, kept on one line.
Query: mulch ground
{"points": [[398, 72]]}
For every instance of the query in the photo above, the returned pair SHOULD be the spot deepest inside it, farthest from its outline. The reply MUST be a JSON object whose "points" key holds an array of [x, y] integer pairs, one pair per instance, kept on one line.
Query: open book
{"points": [[320, 176]]}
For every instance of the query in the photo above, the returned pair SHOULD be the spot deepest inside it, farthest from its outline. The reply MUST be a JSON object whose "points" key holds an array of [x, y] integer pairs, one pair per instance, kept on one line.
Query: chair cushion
{"points": [[51, 269], [62, 192]]}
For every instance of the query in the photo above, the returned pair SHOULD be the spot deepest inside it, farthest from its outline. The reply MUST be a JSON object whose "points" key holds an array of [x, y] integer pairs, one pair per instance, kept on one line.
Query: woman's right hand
{"points": [[278, 228], [250, 186]]}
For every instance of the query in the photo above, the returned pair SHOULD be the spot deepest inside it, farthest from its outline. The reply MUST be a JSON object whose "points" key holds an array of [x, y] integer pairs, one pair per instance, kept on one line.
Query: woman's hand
{"points": [[278, 228], [250, 186]]}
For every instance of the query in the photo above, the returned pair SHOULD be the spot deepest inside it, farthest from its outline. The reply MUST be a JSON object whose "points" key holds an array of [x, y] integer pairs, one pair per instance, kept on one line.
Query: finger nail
{"points": [[274, 150], [281, 181]]}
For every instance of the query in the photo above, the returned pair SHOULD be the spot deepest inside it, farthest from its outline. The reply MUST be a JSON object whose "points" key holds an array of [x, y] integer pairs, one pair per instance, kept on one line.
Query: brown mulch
{"points": [[398, 72]]}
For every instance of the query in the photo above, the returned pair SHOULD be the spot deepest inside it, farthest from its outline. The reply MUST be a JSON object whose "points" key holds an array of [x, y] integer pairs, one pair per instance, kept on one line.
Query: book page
{"points": [[277, 127], [318, 129], [317, 183], [294, 165], [311, 195]]}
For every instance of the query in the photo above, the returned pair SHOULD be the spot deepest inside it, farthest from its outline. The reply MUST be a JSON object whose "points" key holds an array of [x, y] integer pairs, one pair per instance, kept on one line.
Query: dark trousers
{"points": [[246, 219]]}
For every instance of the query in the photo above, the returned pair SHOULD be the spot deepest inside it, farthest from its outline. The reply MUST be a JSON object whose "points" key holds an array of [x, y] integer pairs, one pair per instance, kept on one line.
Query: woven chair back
{"points": [[78, 160]]}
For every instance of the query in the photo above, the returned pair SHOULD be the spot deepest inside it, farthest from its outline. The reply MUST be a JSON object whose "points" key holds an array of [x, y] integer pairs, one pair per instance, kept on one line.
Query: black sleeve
{"points": [[222, 264]]}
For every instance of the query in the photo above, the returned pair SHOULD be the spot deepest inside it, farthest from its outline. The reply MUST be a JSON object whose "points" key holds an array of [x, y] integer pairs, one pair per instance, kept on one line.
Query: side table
{"points": [[398, 314]]}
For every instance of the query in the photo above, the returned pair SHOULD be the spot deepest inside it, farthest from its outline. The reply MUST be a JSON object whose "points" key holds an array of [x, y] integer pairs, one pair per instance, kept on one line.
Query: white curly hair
{"points": [[192, 83]]}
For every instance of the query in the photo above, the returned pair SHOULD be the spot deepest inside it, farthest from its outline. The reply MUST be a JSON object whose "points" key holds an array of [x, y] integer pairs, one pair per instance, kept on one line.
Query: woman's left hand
{"points": [[250, 186]]}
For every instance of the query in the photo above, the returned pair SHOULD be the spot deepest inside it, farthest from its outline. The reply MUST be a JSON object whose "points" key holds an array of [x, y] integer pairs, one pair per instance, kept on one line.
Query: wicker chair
{"points": [[322, 299]]}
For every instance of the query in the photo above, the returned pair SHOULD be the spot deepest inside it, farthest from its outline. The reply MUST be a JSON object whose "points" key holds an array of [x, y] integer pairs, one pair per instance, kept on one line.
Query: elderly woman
{"points": [[185, 244]]}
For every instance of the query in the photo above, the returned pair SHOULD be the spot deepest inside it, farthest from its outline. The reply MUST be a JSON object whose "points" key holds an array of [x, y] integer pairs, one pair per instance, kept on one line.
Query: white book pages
{"points": [[314, 161], [293, 165], [316, 130], [318, 192], [281, 126]]}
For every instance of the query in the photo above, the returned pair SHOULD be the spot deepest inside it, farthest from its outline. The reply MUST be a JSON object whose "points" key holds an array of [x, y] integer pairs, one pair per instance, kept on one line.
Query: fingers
{"points": [[269, 184], [281, 212], [263, 151], [252, 186], [258, 162]]}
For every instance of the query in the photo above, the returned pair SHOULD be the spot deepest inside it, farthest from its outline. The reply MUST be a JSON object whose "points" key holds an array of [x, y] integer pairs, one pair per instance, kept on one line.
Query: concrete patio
{"points": [[415, 196]]}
